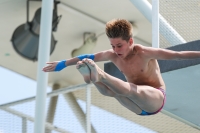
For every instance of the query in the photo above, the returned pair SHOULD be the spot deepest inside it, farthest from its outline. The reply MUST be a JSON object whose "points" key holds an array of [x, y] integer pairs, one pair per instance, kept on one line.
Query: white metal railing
{"points": [[49, 126], [27, 117], [50, 94]]}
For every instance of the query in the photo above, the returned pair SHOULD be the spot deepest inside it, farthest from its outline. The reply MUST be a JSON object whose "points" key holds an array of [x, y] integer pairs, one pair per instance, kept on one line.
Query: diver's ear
{"points": [[131, 41]]}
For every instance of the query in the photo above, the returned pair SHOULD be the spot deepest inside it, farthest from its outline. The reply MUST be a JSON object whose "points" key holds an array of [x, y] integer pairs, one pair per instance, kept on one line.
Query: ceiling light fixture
{"points": [[25, 38]]}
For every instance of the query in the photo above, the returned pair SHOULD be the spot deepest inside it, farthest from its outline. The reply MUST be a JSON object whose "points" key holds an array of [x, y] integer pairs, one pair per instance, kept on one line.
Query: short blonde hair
{"points": [[119, 28]]}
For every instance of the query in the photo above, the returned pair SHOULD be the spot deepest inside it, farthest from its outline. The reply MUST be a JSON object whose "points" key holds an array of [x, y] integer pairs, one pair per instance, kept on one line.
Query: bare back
{"points": [[140, 70]]}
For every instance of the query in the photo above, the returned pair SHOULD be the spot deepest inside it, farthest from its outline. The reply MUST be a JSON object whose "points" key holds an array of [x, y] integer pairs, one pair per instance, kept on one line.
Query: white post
{"points": [[80, 115], [78, 112], [146, 9], [88, 103], [155, 23], [24, 125], [52, 107], [43, 57]]}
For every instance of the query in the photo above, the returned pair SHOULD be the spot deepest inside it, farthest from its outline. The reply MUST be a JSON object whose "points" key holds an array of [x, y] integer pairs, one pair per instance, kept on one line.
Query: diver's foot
{"points": [[96, 74], [84, 70]]}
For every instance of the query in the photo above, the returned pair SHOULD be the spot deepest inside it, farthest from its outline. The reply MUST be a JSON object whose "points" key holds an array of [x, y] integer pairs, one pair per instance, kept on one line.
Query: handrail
{"points": [[47, 125], [50, 94]]}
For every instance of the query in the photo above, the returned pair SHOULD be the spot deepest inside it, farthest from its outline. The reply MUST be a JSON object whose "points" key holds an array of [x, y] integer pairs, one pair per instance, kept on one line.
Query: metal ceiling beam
{"points": [[171, 35], [81, 14], [91, 18]]}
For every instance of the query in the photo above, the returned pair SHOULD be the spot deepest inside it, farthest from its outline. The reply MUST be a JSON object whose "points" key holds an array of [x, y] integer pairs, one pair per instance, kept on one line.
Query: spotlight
{"points": [[25, 38]]}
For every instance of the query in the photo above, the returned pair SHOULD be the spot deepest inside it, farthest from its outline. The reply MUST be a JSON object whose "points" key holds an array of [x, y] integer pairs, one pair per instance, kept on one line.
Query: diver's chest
{"points": [[134, 67]]}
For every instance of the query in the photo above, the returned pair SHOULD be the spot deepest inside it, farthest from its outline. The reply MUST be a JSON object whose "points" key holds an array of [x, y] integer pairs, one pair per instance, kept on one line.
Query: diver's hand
{"points": [[55, 66]]}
